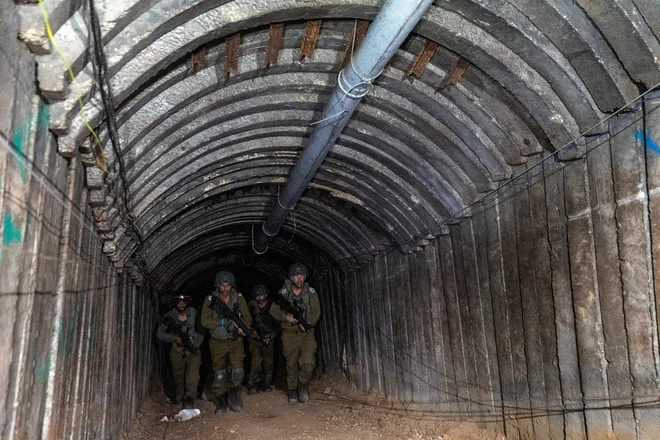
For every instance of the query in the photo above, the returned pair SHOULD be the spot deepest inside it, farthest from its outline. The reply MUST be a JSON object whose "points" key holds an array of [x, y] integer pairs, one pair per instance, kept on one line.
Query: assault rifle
{"points": [[282, 301], [185, 338], [256, 334], [224, 311]]}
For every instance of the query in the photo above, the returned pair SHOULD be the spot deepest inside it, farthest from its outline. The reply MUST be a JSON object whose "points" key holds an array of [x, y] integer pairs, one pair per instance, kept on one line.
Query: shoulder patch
{"points": [[210, 298], [239, 294], [311, 289], [283, 292]]}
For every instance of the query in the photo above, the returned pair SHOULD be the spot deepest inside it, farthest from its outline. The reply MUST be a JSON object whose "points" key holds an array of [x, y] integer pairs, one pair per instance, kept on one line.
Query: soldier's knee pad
{"points": [[219, 377], [237, 375]]}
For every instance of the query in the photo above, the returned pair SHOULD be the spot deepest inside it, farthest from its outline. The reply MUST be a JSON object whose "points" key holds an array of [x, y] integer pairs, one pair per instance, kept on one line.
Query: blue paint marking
{"points": [[639, 135], [11, 232]]}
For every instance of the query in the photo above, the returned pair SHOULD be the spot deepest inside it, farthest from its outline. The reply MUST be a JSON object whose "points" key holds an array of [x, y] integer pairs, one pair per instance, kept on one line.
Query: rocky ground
{"points": [[335, 411]]}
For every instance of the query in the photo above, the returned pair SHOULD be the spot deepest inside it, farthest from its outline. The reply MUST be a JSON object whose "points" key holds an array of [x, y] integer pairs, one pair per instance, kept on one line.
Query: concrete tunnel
{"points": [[484, 235]]}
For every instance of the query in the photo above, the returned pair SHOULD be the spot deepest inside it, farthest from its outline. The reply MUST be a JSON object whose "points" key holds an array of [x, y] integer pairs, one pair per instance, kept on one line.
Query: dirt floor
{"points": [[335, 411]]}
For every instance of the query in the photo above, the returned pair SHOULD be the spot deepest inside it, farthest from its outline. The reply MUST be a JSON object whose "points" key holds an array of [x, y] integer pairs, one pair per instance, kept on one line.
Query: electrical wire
{"points": [[99, 156], [346, 88], [552, 406], [100, 67], [522, 178]]}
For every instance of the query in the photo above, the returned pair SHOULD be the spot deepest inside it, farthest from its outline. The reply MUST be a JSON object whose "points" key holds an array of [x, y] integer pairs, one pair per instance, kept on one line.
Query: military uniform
{"points": [[225, 343], [263, 352], [185, 366], [299, 347]]}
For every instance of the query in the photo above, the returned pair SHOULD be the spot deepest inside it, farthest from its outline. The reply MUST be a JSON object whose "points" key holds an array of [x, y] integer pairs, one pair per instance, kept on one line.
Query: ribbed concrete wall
{"points": [[75, 334], [541, 303]]}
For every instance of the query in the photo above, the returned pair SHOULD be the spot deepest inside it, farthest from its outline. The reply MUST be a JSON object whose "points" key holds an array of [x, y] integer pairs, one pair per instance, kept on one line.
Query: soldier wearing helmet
{"points": [[298, 343], [262, 346], [226, 342], [185, 365]]}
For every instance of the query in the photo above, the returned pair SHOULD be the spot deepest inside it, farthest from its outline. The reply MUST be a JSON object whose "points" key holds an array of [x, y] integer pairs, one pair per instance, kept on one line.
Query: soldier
{"points": [[184, 354], [226, 342], [262, 346], [298, 343]]}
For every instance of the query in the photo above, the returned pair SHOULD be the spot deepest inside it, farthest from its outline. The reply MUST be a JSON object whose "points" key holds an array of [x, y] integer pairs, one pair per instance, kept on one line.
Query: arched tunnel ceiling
{"points": [[205, 152]]}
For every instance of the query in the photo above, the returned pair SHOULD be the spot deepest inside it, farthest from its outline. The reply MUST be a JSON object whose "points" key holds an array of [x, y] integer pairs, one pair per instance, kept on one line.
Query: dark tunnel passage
{"points": [[483, 234]]}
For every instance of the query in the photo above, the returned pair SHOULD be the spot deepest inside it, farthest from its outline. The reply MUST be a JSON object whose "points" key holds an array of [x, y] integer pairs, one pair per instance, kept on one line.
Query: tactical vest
{"points": [[302, 302], [262, 320], [185, 326], [222, 331]]}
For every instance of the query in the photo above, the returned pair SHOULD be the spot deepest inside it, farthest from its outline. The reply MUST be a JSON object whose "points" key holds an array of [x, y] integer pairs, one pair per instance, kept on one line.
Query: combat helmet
{"points": [[297, 269], [225, 277], [259, 290]]}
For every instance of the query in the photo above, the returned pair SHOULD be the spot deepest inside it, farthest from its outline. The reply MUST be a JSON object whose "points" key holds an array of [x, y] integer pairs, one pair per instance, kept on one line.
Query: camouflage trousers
{"points": [[261, 366], [223, 350], [299, 349], [186, 374]]}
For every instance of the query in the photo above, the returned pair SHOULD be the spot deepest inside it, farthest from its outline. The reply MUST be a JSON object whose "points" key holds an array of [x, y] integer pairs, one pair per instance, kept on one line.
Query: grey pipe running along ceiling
{"points": [[208, 134]]}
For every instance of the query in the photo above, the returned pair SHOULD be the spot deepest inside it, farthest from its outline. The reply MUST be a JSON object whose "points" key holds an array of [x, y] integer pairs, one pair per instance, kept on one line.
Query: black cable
{"points": [[585, 404], [100, 67], [505, 189]]}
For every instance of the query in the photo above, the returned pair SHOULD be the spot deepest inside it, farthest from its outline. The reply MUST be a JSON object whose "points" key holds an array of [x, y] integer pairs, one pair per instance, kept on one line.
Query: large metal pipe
{"points": [[394, 22]]}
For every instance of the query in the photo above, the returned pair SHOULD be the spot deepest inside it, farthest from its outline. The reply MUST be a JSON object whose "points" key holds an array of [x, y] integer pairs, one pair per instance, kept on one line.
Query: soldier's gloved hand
{"points": [[177, 340]]}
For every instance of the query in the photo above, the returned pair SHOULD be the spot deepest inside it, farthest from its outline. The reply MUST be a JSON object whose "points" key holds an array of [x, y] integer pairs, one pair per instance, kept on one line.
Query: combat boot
{"points": [[292, 396], [221, 405], [253, 390], [303, 395], [234, 400], [188, 403], [265, 387]]}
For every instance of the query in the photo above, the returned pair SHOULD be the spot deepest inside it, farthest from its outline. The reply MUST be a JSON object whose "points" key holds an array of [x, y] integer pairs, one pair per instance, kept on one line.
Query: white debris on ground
{"points": [[183, 415]]}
